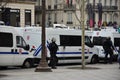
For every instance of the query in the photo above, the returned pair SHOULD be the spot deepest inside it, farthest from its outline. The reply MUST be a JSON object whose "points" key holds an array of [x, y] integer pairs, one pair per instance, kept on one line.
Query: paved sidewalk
{"points": [[103, 72]]}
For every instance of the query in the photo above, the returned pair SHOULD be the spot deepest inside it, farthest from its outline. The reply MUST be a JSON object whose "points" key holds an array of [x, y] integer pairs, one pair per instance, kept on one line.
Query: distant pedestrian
{"points": [[108, 48], [53, 47]]}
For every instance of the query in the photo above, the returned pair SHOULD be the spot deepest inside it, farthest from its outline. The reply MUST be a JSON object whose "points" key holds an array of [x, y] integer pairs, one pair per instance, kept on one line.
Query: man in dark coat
{"points": [[108, 48], [53, 47]]}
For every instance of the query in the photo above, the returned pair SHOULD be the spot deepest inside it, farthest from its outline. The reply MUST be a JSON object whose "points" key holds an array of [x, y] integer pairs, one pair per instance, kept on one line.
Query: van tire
{"points": [[94, 59], [27, 63]]}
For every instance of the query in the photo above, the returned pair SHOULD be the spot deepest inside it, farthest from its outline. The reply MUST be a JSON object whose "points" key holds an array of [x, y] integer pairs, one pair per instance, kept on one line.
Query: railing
{"points": [[38, 8], [108, 8], [19, 1], [69, 7], [27, 0]]}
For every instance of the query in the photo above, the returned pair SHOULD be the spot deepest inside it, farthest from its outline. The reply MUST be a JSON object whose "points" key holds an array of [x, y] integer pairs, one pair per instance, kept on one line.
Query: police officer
{"points": [[53, 47], [108, 48]]}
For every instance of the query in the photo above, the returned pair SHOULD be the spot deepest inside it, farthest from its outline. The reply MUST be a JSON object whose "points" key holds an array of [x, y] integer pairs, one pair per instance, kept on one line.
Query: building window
{"points": [[115, 17], [105, 2], [27, 17], [55, 18], [116, 1], [110, 17], [99, 1], [69, 18], [5, 15], [105, 17], [49, 19], [56, 1], [88, 1], [49, 6], [110, 2], [12, 18], [15, 17]]}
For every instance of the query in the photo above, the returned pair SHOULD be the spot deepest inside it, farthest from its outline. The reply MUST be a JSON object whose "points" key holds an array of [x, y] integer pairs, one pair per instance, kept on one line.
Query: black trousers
{"points": [[110, 52], [53, 61]]}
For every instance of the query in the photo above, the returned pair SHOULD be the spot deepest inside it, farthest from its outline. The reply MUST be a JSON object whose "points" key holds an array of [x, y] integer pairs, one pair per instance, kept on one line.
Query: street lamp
{"points": [[43, 65]]}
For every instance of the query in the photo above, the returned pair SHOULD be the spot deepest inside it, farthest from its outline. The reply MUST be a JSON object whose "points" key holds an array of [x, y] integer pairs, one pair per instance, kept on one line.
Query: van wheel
{"points": [[94, 60], [27, 64]]}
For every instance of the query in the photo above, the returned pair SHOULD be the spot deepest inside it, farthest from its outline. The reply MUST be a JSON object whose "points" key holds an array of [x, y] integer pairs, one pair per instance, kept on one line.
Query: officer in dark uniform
{"points": [[53, 47], [108, 48]]}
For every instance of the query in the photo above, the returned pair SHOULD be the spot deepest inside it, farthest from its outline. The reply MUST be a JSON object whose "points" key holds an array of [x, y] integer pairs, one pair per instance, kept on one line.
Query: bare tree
{"points": [[3, 3], [80, 6]]}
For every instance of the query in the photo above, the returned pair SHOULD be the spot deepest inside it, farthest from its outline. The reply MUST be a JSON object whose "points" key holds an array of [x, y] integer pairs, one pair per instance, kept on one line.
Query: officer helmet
{"points": [[53, 39]]}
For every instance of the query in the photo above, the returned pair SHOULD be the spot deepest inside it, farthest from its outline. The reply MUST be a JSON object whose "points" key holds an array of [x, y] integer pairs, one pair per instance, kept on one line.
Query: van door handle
{"points": [[15, 50], [12, 50], [79, 49]]}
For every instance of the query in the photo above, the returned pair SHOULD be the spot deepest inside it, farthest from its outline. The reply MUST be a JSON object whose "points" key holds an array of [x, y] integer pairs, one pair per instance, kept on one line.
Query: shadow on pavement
{"points": [[2, 75], [86, 68]]}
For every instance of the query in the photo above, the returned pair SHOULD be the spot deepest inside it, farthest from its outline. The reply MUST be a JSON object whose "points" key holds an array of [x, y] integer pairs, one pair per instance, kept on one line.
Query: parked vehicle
{"points": [[21, 46], [14, 51], [99, 36], [68, 40]]}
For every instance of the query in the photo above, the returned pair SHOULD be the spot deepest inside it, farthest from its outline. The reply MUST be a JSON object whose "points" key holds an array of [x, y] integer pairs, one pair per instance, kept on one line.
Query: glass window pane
{"points": [[6, 39]]}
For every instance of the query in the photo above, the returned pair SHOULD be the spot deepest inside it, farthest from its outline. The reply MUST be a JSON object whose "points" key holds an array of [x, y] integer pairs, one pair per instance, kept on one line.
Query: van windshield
{"points": [[98, 40]]}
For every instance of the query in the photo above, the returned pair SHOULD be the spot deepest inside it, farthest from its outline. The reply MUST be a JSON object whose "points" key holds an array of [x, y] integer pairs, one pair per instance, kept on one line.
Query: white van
{"points": [[99, 36], [68, 40], [14, 51]]}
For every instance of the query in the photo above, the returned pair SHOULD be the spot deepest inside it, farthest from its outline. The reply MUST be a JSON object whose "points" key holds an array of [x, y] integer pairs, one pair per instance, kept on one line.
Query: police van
{"points": [[99, 36], [14, 51], [68, 40]]}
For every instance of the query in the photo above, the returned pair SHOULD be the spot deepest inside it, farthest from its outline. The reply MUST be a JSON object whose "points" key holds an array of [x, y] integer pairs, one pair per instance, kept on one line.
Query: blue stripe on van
{"points": [[13, 53], [37, 50], [40, 48]]}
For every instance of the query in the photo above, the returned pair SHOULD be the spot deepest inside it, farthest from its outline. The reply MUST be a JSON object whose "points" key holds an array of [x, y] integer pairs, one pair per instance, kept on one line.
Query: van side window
{"points": [[6, 39], [70, 40], [20, 41], [117, 41], [73, 40], [98, 40]]}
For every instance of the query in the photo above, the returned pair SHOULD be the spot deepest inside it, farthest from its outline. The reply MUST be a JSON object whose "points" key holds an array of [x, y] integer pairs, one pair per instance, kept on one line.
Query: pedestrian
{"points": [[108, 48], [53, 47]]}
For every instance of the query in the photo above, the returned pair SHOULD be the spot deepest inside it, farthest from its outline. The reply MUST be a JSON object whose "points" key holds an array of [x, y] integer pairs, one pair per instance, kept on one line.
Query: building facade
{"points": [[68, 12], [29, 12], [17, 13]]}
